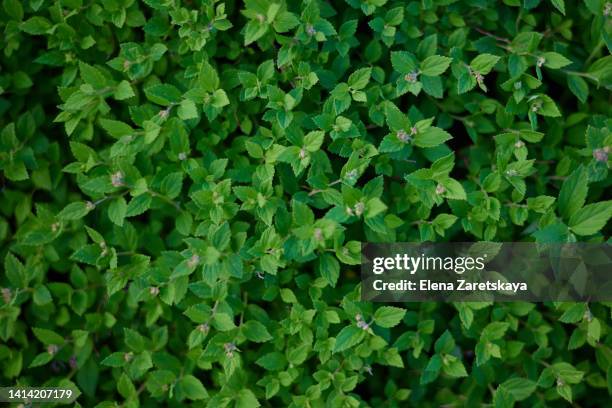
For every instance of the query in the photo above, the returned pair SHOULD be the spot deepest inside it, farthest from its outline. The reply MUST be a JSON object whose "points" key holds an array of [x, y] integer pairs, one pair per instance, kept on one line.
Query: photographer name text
{"points": [[427, 285]]}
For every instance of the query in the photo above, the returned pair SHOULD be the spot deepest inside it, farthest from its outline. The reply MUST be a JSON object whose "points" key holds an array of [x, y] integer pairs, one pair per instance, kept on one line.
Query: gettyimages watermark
{"points": [[486, 271]]}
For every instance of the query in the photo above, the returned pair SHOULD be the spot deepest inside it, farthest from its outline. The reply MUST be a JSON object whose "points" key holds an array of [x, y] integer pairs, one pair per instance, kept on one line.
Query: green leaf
{"points": [[432, 370], [36, 25], [117, 210], [163, 94], [484, 63], [403, 62], [443, 222], [329, 268], [134, 340], [223, 322], [75, 211], [42, 296], [15, 271], [555, 60], [445, 343], [187, 110], [559, 5], [13, 8], [255, 331], [246, 399], [591, 218], [573, 193], [41, 359], [454, 368], [389, 316], [347, 338], [219, 99], [435, 65], [123, 91], [313, 140], [578, 87], [567, 373], [115, 128], [431, 137], [519, 388], [273, 361], [360, 78], [574, 314], [192, 388], [540, 204], [47, 336], [565, 391], [452, 189], [494, 331]]}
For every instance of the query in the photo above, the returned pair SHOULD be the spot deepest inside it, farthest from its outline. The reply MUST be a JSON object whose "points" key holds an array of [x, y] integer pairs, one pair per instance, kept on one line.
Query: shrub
{"points": [[185, 186]]}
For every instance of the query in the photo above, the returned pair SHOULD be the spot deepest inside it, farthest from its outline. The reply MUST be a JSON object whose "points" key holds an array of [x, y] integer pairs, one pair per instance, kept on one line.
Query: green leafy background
{"points": [[185, 186]]}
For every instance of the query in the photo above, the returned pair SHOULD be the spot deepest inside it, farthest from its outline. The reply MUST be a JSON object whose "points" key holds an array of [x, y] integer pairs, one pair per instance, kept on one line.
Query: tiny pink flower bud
{"points": [[154, 290], [318, 234], [52, 349], [128, 356], [229, 349], [117, 179], [511, 173], [352, 174], [359, 207], [6, 295], [182, 156], [440, 189], [193, 261], [403, 136], [303, 154], [601, 155], [411, 77], [164, 113]]}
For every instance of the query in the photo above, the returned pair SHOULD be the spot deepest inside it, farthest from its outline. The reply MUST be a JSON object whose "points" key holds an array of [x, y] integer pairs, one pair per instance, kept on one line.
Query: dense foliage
{"points": [[185, 185]]}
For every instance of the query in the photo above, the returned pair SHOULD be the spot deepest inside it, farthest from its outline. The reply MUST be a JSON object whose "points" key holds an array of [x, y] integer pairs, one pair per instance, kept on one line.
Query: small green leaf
{"points": [[435, 65], [360, 78], [348, 337], [519, 388], [223, 322], [559, 5], [389, 316], [163, 94], [255, 331], [117, 211], [329, 268], [591, 218], [555, 60], [484, 63], [573, 193], [47, 336], [42, 296], [192, 388], [75, 211], [431, 137]]}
